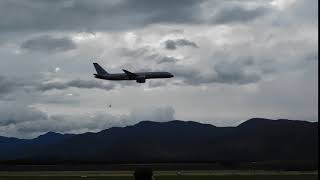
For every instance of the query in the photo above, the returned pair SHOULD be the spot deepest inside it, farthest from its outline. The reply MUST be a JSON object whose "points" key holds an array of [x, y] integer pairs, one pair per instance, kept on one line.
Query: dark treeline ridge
{"points": [[255, 144]]}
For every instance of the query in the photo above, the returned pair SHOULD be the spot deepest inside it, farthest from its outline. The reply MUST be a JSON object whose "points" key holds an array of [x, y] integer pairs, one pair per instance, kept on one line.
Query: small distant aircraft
{"points": [[140, 77]]}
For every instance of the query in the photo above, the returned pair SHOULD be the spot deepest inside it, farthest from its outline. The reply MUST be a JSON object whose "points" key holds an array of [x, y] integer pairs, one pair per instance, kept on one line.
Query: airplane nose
{"points": [[171, 75]]}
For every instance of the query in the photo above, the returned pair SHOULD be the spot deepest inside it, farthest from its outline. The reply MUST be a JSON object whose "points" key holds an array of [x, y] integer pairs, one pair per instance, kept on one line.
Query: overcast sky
{"points": [[232, 60]]}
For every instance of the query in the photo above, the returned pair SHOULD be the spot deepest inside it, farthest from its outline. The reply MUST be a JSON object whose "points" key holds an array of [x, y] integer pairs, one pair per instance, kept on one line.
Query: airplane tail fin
{"points": [[99, 69]]}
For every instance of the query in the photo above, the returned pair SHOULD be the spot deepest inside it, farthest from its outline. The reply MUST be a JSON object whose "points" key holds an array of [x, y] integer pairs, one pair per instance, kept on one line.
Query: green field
{"points": [[162, 175]]}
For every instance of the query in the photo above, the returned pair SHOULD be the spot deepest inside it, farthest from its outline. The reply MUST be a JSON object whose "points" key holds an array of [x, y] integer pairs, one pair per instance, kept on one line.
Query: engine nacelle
{"points": [[141, 79]]}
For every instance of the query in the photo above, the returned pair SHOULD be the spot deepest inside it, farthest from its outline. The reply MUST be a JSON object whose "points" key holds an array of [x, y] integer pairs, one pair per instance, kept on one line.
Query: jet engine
{"points": [[141, 79]]}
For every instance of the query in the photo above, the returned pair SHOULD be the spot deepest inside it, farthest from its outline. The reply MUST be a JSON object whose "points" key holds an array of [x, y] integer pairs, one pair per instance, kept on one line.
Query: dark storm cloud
{"points": [[173, 44], [49, 44], [83, 15], [238, 14], [170, 11], [97, 15], [77, 83]]}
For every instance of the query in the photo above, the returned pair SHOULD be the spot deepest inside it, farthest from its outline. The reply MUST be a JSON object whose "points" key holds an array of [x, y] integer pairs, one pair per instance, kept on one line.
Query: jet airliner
{"points": [[139, 77]]}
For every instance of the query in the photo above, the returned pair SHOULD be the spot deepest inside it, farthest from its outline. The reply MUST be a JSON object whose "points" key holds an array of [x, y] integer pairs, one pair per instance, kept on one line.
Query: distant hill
{"points": [[256, 140]]}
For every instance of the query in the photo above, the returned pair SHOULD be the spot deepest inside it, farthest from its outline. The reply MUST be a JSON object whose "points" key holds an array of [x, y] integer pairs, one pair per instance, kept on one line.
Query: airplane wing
{"points": [[131, 74]]}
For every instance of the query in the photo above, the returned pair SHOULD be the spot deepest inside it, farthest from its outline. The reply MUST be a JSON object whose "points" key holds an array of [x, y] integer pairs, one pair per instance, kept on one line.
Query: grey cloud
{"points": [[159, 114], [13, 113], [30, 122], [148, 54], [6, 85], [67, 123], [235, 72], [232, 70], [77, 83], [48, 43], [39, 122], [304, 12], [173, 44], [166, 59], [313, 56], [133, 53], [238, 14], [12, 84], [155, 84]]}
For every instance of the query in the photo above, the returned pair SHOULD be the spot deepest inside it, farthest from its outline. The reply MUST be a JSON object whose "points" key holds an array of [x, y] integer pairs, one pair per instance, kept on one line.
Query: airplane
{"points": [[139, 77]]}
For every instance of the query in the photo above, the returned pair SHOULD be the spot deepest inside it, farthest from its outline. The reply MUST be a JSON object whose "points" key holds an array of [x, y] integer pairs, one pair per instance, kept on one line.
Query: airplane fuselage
{"points": [[141, 77]]}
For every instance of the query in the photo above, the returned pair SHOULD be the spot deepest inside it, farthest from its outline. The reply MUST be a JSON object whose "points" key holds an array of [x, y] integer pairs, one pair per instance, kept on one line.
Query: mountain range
{"points": [[256, 140]]}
